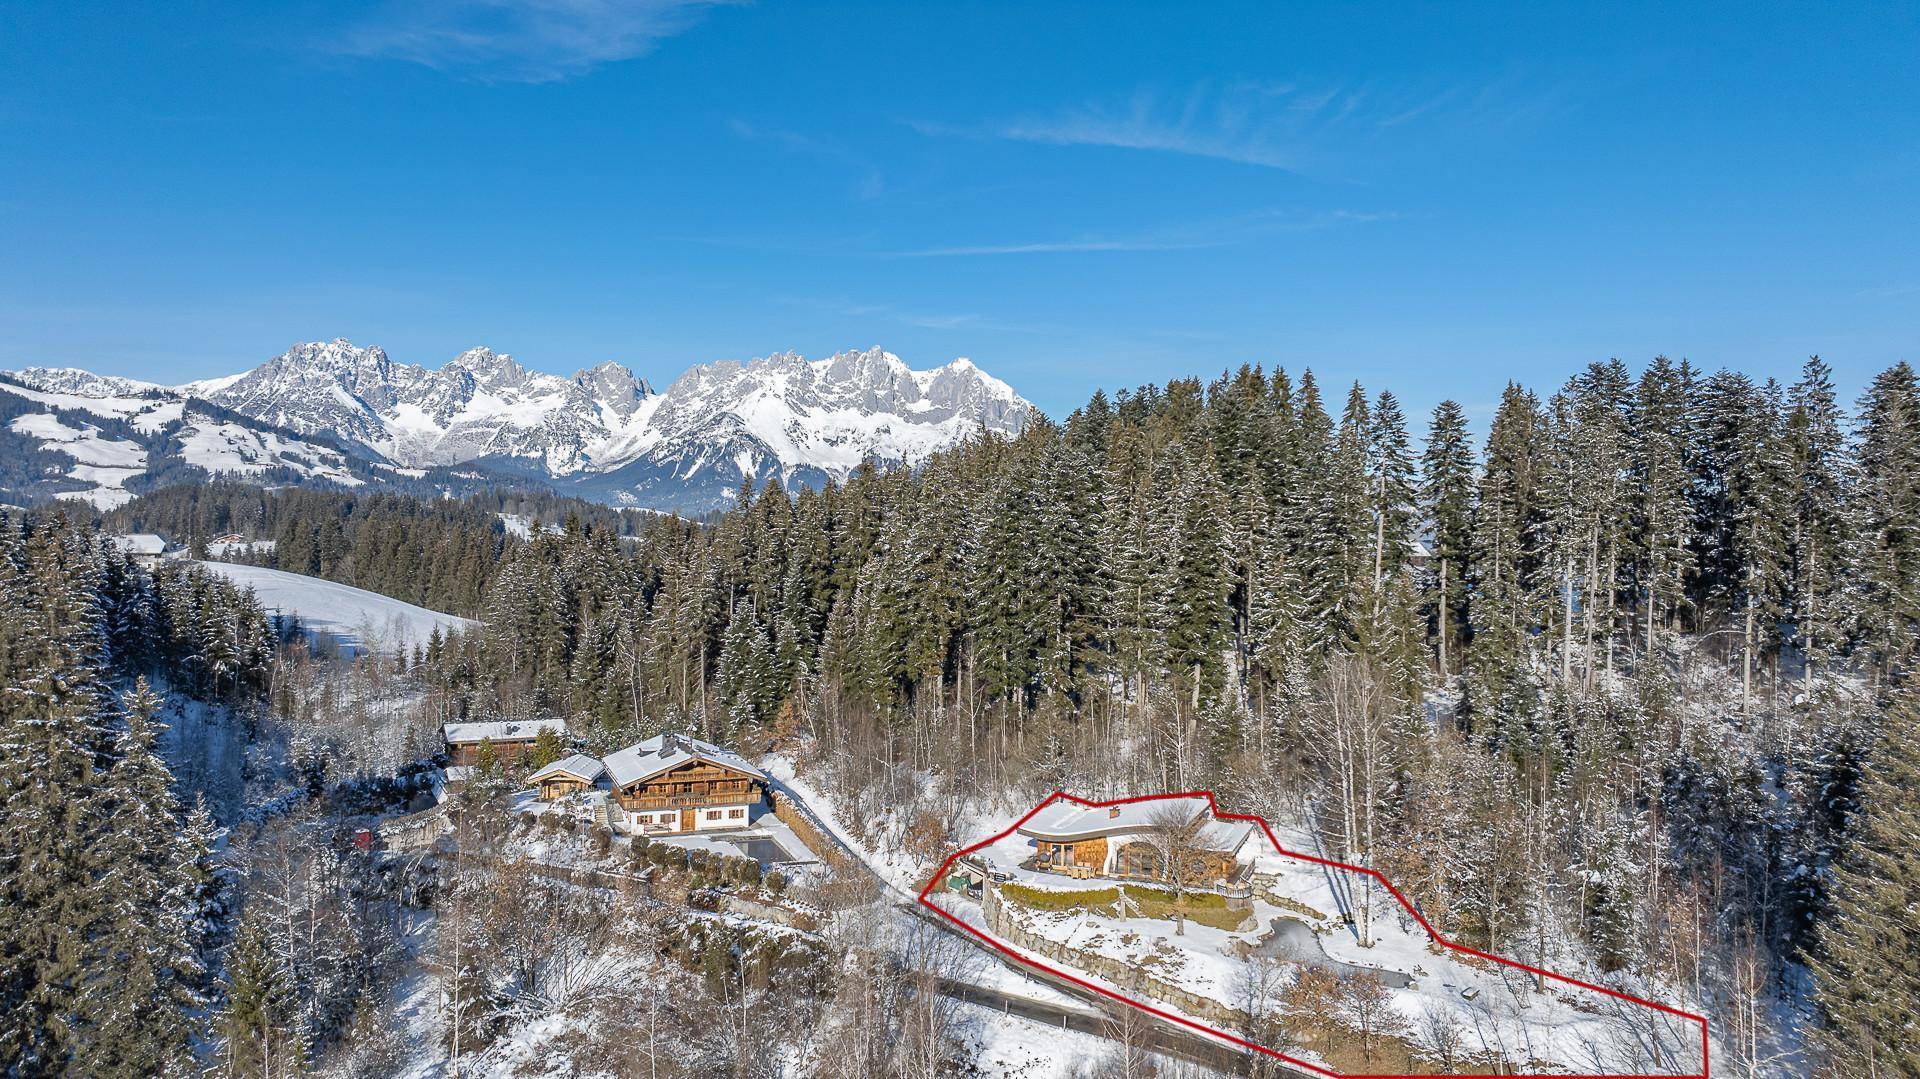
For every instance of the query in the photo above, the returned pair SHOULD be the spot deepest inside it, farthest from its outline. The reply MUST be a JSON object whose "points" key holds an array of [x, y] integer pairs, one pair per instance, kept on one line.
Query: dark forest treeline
{"points": [[1651, 612], [1219, 540], [105, 877], [439, 554]]}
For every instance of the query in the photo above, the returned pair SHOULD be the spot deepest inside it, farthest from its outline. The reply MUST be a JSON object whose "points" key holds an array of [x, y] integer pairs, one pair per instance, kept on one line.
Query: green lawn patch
{"points": [[1202, 907], [1047, 899]]}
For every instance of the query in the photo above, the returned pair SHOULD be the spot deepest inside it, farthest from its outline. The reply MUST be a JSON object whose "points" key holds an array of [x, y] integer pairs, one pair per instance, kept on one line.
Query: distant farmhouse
{"points": [[144, 548]]}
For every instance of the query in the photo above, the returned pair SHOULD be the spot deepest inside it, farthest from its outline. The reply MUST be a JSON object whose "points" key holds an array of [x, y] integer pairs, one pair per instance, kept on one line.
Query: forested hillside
{"points": [[1619, 690], [439, 554], [1616, 721], [106, 875]]}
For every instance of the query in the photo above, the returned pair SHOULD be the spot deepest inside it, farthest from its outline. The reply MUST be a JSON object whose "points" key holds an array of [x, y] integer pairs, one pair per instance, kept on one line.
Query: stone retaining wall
{"points": [[1122, 974]]}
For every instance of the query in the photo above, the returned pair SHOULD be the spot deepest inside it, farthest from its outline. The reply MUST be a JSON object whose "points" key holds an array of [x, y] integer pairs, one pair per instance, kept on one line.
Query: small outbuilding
{"points": [[569, 775]]}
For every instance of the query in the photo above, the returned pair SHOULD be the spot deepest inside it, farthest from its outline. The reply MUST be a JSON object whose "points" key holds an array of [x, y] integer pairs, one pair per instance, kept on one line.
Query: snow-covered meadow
{"points": [[353, 619]]}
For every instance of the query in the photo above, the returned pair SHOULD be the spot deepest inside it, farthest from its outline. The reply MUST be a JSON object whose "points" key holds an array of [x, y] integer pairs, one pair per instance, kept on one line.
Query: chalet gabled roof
{"points": [[502, 730], [664, 752], [580, 766], [134, 543]]}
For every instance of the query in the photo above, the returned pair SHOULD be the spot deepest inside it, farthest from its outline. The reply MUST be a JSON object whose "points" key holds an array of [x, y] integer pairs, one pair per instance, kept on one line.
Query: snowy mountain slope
{"points": [[149, 409], [122, 442], [105, 464], [238, 450], [79, 383], [354, 617], [603, 433]]}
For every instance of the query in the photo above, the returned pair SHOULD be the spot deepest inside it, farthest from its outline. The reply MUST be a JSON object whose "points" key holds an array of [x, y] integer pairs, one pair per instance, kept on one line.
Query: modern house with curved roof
{"points": [[1126, 840]]}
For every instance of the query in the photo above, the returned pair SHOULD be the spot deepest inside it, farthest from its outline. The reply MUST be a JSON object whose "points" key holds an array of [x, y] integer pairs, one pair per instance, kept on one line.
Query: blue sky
{"points": [[1428, 198]]}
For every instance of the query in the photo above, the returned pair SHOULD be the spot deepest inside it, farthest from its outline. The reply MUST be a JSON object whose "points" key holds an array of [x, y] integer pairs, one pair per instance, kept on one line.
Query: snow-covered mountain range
{"points": [[602, 433]]}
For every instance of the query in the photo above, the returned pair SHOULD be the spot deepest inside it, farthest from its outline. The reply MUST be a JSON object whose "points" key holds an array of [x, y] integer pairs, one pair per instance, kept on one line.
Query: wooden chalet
{"points": [[512, 739], [569, 775], [674, 783], [1113, 841]]}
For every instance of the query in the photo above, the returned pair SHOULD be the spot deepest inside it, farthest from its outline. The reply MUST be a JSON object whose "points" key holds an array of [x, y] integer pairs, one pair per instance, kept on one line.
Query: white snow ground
{"points": [[355, 619], [107, 463], [1565, 1026]]}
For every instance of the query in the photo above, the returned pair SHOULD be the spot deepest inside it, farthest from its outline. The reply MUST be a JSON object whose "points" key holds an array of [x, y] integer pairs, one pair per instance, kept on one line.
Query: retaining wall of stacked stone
{"points": [[1121, 974]]}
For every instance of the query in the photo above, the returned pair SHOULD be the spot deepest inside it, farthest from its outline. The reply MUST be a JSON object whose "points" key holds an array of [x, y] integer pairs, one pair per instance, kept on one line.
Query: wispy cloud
{"points": [[1268, 125], [1049, 247], [908, 318], [1220, 232], [868, 181], [931, 321], [519, 40]]}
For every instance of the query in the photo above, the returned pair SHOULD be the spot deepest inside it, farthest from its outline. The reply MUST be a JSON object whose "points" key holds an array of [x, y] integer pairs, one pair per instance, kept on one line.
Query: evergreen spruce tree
{"points": [[547, 748], [1506, 527], [54, 836], [147, 981], [1446, 505], [257, 1028], [1885, 555], [1659, 511], [1867, 965], [1817, 447]]}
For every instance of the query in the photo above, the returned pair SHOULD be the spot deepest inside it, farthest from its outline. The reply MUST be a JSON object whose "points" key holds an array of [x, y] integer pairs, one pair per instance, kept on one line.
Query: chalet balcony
{"points": [[680, 801]]}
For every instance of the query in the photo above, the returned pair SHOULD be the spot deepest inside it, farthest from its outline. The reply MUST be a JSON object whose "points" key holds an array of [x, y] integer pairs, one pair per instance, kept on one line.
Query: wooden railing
{"points": [[671, 801]]}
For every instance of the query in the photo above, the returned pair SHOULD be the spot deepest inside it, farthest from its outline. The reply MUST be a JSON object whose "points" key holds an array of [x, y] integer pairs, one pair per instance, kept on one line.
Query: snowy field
{"points": [[353, 618], [107, 463]]}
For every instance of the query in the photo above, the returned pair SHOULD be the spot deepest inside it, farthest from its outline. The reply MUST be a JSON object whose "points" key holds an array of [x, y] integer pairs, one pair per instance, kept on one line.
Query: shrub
{"points": [[602, 839], [550, 821], [776, 882]]}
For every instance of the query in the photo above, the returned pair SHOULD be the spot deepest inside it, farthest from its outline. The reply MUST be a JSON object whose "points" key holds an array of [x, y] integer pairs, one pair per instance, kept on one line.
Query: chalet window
{"points": [[736, 814]]}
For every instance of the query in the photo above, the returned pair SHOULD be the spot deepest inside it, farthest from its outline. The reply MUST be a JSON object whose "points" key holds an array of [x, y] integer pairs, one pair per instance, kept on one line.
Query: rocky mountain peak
{"points": [[605, 432]]}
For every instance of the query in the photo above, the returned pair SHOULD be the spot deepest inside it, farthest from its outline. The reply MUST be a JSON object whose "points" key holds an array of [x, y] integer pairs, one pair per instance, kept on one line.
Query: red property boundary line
{"points": [[1203, 1028]]}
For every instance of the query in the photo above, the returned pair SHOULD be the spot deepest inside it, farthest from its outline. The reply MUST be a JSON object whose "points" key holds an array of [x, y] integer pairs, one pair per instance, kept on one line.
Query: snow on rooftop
{"points": [[1065, 820], [579, 765], [140, 543], [502, 730], [662, 752]]}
